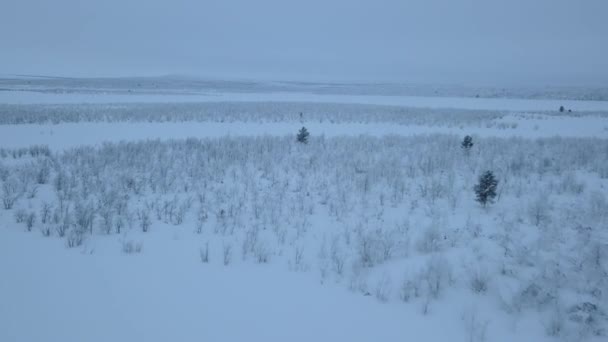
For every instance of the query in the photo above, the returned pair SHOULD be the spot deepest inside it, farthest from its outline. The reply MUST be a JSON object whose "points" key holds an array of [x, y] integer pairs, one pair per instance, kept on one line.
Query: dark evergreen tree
{"points": [[303, 135], [561, 109], [467, 143], [485, 190]]}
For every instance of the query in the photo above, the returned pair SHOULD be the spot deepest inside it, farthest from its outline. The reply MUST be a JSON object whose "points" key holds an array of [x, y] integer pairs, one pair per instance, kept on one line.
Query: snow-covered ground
{"points": [[65, 135], [194, 85], [49, 293], [370, 232], [28, 97]]}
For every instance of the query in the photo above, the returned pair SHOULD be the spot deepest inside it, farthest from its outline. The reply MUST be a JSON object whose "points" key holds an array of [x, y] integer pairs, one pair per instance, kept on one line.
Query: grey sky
{"points": [[465, 41]]}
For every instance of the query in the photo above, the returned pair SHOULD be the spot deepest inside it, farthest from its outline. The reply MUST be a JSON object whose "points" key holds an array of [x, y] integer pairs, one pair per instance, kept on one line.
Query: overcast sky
{"points": [[431, 41]]}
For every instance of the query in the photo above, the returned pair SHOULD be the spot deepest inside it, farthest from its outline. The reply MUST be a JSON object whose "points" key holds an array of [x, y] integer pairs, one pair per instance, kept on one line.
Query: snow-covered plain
{"points": [[67, 135], [28, 97], [166, 294], [368, 233]]}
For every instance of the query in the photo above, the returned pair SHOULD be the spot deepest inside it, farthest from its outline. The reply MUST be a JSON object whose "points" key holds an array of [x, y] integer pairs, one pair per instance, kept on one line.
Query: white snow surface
{"points": [[49, 293], [95, 292], [30, 97], [66, 135]]}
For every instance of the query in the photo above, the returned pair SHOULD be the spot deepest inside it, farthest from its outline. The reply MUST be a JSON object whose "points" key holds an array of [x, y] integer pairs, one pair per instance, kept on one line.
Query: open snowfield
{"points": [[75, 124], [166, 294], [148, 229], [67, 135], [508, 104], [303, 171]]}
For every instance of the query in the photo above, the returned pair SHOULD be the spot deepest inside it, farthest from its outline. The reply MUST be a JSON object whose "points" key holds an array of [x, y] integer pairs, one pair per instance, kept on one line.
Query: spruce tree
{"points": [[486, 188], [302, 136], [467, 143]]}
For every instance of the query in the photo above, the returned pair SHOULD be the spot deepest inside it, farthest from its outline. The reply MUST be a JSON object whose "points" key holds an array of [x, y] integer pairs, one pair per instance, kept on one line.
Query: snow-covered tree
{"points": [[485, 190], [302, 136], [467, 143]]}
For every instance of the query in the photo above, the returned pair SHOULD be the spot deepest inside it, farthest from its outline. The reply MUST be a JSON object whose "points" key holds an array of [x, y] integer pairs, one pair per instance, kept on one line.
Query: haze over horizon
{"points": [[518, 42]]}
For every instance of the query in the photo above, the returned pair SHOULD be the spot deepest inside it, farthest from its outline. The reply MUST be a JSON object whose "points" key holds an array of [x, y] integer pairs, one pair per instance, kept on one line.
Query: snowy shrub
{"points": [[337, 257], [46, 230], [201, 218], [432, 189], [20, 215], [204, 253], [591, 262], [383, 288], [75, 238], [366, 250], [378, 245], [598, 206], [227, 253], [181, 211], [144, 220], [430, 241], [555, 324], [570, 184], [238, 112], [11, 191], [591, 320], [31, 190], [45, 212], [131, 247], [221, 222], [539, 210], [43, 172], [425, 307], [30, 220], [409, 288], [475, 327], [63, 224], [250, 241], [437, 274], [523, 255], [84, 216], [107, 219], [261, 252], [479, 280], [119, 223], [296, 263], [358, 280], [534, 295]]}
